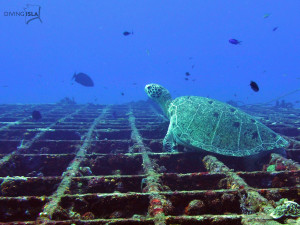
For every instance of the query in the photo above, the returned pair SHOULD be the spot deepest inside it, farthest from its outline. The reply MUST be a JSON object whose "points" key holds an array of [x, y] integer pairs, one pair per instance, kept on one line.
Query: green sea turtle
{"points": [[206, 124]]}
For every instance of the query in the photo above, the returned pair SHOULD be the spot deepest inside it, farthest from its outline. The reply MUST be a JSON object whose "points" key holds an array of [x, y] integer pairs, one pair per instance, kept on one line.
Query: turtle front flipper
{"points": [[168, 142]]}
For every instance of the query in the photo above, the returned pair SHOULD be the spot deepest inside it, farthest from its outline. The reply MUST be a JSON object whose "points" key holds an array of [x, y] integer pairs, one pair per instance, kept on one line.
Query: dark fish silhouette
{"points": [[126, 33], [234, 41], [83, 79], [275, 28], [187, 74], [254, 86], [36, 115], [122, 93], [186, 78]]}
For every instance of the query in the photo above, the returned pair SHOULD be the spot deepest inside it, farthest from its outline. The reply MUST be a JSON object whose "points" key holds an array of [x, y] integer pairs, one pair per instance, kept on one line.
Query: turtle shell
{"points": [[203, 123]]}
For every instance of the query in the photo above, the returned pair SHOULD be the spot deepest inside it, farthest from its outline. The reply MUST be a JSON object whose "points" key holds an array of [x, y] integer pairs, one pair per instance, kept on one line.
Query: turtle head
{"points": [[159, 94], [155, 91]]}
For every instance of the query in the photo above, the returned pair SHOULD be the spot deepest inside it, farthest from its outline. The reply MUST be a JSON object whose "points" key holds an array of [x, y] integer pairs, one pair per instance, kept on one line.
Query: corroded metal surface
{"points": [[98, 164]]}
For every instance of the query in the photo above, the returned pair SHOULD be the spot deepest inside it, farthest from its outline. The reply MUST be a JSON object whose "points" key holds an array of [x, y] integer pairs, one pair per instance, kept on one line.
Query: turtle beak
{"points": [[147, 88]]}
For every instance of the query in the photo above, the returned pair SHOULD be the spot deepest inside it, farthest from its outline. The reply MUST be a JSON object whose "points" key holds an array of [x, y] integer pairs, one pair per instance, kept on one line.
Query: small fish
{"points": [[36, 115], [133, 83], [234, 41], [254, 86], [193, 66], [126, 33], [275, 28], [194, 80], [122, 93], [5, 86], [186, 78], [187, 74], [266, 15], [190, 57], [83, 79]]}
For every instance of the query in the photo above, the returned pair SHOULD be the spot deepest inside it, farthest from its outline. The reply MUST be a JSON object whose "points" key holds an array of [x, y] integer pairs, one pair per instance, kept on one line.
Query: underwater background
{"points": [[166, 41], [114, 158]]}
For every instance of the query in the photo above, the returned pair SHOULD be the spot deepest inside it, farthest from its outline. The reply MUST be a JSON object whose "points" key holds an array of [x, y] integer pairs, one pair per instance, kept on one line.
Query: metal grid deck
{"points": [[103, 164]]}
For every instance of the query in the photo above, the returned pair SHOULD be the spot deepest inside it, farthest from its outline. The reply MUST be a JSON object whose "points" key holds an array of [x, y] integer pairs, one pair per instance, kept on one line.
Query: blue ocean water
{"points": [[39, 56]]}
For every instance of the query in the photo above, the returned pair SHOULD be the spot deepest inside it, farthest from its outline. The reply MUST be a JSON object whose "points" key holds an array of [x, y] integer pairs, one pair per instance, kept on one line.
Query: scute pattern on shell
{"points": [[204, 123]]}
